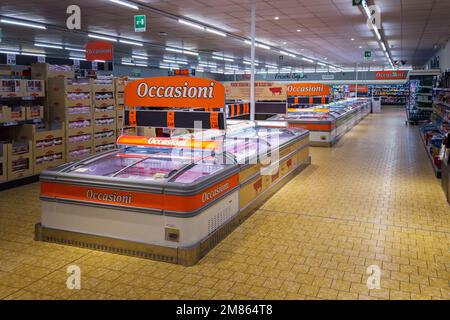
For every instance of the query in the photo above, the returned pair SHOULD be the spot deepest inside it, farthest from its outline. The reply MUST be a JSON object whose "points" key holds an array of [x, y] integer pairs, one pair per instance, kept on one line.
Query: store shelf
{"points": [[436, 170]]}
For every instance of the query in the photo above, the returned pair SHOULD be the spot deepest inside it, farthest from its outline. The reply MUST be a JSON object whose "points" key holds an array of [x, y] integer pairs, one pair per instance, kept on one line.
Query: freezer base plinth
{"points": [[186, 256]]}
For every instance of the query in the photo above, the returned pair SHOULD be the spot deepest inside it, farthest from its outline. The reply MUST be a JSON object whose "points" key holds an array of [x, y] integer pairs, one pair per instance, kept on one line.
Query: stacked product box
{"points": [[48, 145], [70, 102], [120, 84], [10, 88], [5, 114], [45, 71], [105, 116], [19, 158], [32, 88]]}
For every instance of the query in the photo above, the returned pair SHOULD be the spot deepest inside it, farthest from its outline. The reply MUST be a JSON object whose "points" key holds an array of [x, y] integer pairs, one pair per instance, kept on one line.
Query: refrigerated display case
{"points": [[169, 199], [327, 123]]}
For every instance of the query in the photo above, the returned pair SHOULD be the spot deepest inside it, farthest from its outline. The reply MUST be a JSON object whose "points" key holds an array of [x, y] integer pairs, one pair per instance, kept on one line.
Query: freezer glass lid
{"points": [[152, 164]]}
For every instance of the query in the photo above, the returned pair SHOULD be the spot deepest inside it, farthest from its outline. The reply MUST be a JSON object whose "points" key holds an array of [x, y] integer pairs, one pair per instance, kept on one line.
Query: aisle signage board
{"points": [[11, 59], [367, 54], [264, 90], [175, 92], [41, 59], [99, 50], [308, 89], [140, 23]]}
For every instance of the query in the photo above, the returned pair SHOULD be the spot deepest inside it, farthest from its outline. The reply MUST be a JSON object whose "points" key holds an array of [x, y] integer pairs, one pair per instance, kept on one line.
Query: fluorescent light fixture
{"points": [[263, 46], [271, 66], [284, 52], [174, 61], [103, 61], [74, 49], [141, 64], [220, 33], [90, 35], [134, 43], [139, 57], [383, 46], [126, 4], [249, 63], [377, 33], [190, 53], [217, 58], [174, 50], [24, 24], [308, 60], [191, 24], [366, 8], [321, 64], [48, 46], [33, 54], [228, 59], [259, 45], [128, 63], [9, 52], [77, 58]]}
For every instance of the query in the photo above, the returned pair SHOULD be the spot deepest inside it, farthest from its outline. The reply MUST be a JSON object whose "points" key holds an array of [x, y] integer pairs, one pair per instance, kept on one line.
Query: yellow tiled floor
{"points": [[370, 200]]}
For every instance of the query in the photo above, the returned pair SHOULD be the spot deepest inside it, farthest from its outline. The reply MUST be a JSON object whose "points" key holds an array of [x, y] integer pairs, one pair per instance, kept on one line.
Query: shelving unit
{"points": [[48, 145], [391, 94], [71, 103]]}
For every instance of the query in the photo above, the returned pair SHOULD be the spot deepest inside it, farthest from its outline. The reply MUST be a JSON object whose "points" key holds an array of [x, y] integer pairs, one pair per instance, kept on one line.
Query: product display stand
{"points": [[70, 101], [105, 114]]}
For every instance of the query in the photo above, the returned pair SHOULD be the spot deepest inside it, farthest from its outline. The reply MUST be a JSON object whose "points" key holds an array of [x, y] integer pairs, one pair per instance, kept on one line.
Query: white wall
{"points": [[444, 57]]}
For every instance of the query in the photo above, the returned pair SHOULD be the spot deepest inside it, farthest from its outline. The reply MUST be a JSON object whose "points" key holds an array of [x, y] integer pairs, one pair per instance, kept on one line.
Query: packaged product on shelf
{"points": [[5, 114], [10, 88], [3, 162]]}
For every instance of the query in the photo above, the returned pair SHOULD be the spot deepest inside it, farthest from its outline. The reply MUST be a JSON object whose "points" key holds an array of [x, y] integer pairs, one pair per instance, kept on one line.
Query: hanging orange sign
{"points": [[307, 89], [352, 88], [176, 92], [168, 142], [391, 75], [99, 50]]}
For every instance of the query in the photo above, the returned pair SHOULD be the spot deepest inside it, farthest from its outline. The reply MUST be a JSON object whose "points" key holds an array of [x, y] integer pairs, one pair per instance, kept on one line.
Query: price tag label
{"points": [[214, 120], [171, 119], [11, 59]]}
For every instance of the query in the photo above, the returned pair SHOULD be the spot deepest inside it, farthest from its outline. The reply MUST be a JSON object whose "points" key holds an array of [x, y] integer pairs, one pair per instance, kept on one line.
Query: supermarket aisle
{"points": [[371, 200]]}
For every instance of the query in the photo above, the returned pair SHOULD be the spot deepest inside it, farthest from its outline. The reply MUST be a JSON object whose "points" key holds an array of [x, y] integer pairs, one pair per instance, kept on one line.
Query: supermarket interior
{"points": [[225, 150]]}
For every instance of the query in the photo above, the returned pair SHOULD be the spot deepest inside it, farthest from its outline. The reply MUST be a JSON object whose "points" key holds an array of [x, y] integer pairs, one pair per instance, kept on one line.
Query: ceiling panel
{"points": [[413, 27]]}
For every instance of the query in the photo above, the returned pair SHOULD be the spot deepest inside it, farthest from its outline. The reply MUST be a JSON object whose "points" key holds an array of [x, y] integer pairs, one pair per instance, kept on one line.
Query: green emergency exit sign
{"points": [[367, 54], [140, 23], [357, 2]]}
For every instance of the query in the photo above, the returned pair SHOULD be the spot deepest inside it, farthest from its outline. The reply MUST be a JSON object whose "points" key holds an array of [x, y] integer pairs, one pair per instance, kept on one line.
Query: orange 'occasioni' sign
{"points": [[308, 89], [391, 75], [177, 92], [168, 142], [99, 50]]}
